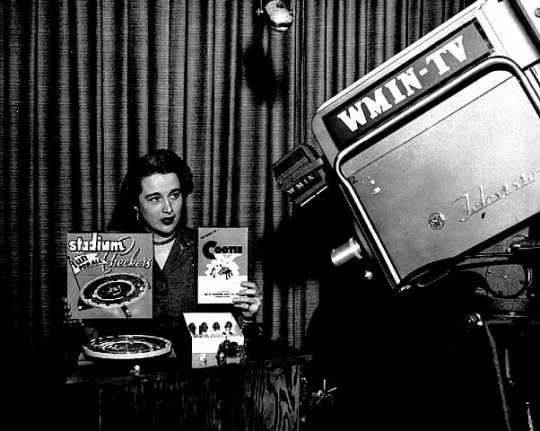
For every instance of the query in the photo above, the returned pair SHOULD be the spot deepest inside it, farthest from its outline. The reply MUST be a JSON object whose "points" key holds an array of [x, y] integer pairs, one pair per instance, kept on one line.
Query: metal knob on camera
{"points": [[346, 252]]}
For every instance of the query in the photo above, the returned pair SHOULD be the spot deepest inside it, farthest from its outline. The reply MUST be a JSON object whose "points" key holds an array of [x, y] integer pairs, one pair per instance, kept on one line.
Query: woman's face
{"points": [[160, 203]]}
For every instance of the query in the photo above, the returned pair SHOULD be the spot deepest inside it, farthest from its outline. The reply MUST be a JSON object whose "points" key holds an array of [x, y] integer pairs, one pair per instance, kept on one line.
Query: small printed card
{"points": [[205, 326], [222, 263], [109, 275], [208, 331]]}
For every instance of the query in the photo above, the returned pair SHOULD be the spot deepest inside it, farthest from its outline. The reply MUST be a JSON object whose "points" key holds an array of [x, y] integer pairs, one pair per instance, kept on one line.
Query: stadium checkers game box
{"points": [[109, 275]]}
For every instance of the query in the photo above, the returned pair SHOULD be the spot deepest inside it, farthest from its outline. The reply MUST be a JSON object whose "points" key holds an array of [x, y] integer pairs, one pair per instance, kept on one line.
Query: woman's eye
{"points": [[175, 195]]}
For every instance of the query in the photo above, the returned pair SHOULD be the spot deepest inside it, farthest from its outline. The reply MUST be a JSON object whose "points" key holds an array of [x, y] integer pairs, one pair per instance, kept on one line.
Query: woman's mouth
{"points": [[167, 220]]}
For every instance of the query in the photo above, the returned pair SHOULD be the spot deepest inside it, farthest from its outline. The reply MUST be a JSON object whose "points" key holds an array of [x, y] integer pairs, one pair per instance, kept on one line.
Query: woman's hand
{"points": [[67, 318], [87, 332], [248, 300]]}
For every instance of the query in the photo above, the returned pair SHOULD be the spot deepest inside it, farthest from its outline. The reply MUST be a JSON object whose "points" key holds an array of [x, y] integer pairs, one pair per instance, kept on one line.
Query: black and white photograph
{"points": [[270, 215]]}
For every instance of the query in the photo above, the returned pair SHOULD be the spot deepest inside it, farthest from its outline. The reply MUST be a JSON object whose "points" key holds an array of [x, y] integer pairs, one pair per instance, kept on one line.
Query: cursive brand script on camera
{"points": [[485, 200]]}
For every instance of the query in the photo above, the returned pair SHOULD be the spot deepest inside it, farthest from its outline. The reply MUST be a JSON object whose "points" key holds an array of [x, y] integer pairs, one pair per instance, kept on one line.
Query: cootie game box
{"points": [[222, 263]]}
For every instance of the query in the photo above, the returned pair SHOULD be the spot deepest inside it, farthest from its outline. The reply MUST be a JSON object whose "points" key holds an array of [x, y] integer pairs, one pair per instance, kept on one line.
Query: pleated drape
{"points": [[87, 86]]}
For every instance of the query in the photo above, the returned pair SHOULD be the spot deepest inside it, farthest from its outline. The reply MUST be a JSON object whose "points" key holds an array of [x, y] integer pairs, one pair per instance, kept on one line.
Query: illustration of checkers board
{"points": [[114, 290]]}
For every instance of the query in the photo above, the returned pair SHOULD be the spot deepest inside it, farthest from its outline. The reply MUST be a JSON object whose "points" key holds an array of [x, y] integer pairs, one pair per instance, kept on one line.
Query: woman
{"points": [[152, 200]]}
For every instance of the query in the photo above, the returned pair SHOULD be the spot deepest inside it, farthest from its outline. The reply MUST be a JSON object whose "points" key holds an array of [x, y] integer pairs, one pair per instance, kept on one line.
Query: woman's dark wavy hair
{"points": [[156, 162]]}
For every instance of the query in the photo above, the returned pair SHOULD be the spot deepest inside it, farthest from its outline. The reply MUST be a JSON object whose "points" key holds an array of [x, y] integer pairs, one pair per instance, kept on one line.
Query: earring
{"points": [[136, 214]]}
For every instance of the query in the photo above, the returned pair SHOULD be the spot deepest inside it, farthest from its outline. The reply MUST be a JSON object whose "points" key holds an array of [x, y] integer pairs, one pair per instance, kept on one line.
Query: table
{"points": [[252, 395]]}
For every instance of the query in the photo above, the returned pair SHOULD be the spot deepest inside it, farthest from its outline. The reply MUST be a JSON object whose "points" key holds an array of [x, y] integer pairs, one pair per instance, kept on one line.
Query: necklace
{"points": [[165, 241]]}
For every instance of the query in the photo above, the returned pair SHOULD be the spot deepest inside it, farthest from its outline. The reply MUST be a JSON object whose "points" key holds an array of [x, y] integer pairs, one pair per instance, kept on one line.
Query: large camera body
{"points": [[437, 150]]}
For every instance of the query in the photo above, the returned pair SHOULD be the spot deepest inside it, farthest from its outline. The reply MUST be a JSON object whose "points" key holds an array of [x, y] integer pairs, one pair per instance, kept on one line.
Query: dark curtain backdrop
{"points": [[86, 87]]}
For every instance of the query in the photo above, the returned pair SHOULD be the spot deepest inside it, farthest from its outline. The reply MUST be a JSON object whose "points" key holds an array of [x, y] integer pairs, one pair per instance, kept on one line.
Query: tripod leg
{"points": [[497, 368]]}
